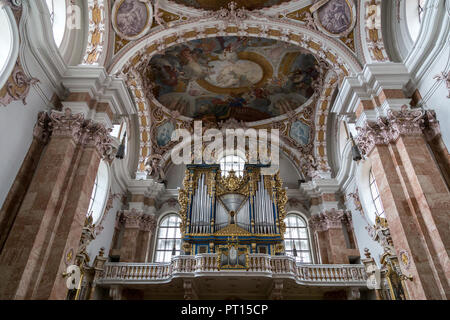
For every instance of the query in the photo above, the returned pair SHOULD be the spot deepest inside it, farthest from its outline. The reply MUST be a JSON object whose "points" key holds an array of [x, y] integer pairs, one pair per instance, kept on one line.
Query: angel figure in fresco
{"points": [[194, 66]]}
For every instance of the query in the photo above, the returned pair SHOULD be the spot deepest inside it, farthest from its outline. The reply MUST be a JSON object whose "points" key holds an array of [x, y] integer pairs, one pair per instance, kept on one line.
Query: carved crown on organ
{"points": [[242, 210]]}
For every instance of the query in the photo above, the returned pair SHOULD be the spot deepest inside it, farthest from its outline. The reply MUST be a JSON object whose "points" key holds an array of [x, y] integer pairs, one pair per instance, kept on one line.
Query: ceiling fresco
{"points": [[244, 78], [217, 4]]}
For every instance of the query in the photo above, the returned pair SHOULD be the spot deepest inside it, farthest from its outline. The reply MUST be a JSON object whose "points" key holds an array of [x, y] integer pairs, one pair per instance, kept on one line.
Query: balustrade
{"points": [[258, 263]]}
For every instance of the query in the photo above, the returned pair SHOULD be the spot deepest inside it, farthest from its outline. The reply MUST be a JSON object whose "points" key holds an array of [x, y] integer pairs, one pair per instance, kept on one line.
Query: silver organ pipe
{"points": [[221, 217], [204, 207]]}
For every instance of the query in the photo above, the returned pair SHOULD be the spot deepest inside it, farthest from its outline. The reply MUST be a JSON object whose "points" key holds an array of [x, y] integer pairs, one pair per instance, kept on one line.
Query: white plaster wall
{"points": [[16, 133], [362, 236], [175, 176], [435, 93], [288, 173], [104, 239]]}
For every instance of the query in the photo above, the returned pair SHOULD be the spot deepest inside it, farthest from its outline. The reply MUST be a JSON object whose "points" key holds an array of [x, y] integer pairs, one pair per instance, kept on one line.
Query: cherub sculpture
{"points": [[154, 168]]}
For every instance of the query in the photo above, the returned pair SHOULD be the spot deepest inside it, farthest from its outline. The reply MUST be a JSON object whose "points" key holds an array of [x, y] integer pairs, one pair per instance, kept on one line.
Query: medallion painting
{"points": [[132, 18], [335, 17], [164, 133], [244, 78], [299, 132]]}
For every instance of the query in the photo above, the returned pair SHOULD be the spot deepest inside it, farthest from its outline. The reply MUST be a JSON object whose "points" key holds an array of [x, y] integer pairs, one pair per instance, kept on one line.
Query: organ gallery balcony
{"points": [[263, 277]]}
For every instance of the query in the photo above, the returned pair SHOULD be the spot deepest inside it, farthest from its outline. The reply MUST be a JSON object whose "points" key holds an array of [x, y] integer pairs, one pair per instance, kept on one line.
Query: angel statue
{"points": [[154, 168]]}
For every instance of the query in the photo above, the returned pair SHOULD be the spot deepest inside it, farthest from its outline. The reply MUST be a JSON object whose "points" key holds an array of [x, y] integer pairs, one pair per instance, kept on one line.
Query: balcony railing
{"points": [[259, 265]]}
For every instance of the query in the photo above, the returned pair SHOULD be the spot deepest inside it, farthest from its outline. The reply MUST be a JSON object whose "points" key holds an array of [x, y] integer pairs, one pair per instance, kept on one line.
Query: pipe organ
{"points": [[231, 215]]}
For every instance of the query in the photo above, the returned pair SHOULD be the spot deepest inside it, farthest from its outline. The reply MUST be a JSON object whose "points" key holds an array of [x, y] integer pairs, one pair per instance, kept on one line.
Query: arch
{"points": [[168, 237], [327, 48], [9, 51], [297, 240]]}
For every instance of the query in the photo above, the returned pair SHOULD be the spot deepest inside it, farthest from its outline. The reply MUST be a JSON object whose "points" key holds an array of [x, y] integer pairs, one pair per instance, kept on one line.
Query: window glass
{"points": [[57, 9], [232, 162], [169, 238], [296, 239], [414, 16], [99, 193], [375, 193]]}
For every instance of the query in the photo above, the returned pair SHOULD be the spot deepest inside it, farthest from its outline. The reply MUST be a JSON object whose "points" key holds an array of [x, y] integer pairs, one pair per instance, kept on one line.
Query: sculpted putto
{"points": [[154, 168]]}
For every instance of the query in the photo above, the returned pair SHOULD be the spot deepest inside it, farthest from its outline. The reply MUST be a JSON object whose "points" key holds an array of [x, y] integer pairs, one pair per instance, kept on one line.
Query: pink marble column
{"points": [[128, 249], [330, 235], [415, 198], [147, 230], [48, 225]]}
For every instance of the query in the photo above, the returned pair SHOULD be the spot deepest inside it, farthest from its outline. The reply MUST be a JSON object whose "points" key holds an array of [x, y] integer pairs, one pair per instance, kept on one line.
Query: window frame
{"points": [[373, 187], [237, 164], [57, 10], [94, 194], [299, 257], [178, 250]]}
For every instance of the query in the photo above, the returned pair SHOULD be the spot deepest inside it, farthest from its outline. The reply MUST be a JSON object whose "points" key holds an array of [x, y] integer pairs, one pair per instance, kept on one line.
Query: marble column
{"points": [[415, 196], [327, 226], [132, 223], [147, 230], [46, 232]]}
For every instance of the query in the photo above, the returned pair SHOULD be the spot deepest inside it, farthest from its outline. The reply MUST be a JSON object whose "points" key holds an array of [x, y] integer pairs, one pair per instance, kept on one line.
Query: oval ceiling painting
{"points": [[335, 17], [132, 18], [244, 78]]}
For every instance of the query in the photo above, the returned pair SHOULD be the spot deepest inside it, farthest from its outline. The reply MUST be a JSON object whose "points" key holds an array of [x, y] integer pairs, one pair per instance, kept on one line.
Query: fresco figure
{"points": [[335, 16], [164, 134], [300, 132], [132, 17], [237, 77]]}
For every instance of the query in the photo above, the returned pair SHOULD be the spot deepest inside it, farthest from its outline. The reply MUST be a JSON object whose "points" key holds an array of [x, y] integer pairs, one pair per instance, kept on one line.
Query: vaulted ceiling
{"points": [[244, 78], [217, 4], [258, 69]]}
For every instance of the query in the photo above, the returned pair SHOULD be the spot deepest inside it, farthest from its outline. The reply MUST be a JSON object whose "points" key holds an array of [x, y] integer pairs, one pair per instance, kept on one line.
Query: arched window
{"points": [[296, 238], [232, 163], [414, 14], [7, 39], [168, 243], [99, 193], [119, 131], [57, 10], [375, 193]]}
